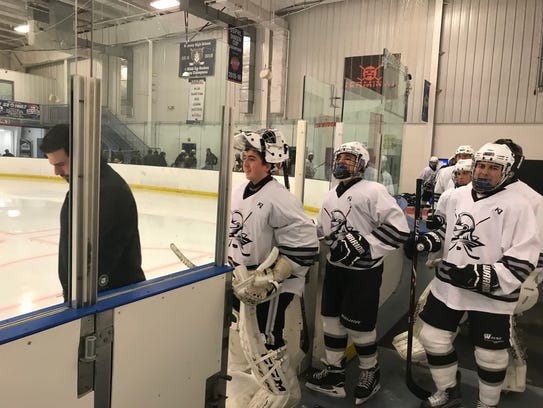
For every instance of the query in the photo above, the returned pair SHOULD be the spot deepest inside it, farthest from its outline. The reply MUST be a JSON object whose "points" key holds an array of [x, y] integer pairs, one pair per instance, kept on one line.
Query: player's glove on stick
{"points": [[427, 242], [430, 242], [434, 221], [476, 277], [349, 249]]}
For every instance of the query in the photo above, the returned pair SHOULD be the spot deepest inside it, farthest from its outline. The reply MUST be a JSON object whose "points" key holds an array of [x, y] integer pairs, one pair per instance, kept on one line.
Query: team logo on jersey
{"points": [[463, 235], [338, 222], [238, 238]]}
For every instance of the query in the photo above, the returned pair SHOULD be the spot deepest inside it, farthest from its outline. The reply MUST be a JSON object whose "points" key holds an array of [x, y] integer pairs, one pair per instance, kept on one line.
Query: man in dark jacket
{"points": [[119, 250]]}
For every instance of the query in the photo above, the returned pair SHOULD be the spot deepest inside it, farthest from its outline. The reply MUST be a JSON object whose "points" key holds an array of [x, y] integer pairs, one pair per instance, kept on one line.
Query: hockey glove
{"points": [[476, 277], [434, 221], [430, 242], [427, 242], [349, 249]]}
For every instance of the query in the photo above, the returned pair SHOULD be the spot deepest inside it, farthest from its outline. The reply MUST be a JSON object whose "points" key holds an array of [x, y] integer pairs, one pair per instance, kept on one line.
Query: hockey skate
{"points": [[450, 398], [329, 381], [368, 385]]}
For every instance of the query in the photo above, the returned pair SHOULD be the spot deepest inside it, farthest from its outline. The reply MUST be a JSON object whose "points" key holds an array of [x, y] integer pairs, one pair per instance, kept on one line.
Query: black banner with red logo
{"points": [[367, 71], [235, 54]]}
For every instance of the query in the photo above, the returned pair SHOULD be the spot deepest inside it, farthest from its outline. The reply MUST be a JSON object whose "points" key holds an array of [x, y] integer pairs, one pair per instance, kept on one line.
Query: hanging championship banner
{"points": [[197, 58], [197, 93], [235, 54]]}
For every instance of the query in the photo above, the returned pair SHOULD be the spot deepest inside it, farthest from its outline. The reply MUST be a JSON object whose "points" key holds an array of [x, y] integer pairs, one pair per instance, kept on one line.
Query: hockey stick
{"points": [[186, 261], [304, 338], [417, 390]]}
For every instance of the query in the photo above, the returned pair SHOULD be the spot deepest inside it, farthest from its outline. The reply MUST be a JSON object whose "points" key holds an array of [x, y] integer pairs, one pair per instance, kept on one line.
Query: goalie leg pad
{"points": [[271, 368]]}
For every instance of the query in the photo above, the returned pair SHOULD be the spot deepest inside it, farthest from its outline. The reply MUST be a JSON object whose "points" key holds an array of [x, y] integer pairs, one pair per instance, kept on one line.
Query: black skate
{"points": [[329, 381], [368, 385]]}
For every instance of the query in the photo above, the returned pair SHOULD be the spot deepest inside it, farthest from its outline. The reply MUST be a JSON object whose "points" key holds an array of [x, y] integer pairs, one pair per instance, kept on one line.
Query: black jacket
{"points": [[119, 250]]}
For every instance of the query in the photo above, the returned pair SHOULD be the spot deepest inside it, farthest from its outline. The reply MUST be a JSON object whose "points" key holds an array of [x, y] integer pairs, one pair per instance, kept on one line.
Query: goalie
{"points": [[272, 243]]}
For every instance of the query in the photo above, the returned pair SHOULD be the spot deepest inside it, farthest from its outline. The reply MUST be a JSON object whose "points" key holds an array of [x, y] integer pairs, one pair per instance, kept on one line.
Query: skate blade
{"points": [[360, 401]]}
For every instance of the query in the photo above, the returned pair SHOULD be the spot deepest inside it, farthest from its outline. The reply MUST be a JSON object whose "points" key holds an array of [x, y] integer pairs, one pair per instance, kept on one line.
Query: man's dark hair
{"points": [[56, 138]]}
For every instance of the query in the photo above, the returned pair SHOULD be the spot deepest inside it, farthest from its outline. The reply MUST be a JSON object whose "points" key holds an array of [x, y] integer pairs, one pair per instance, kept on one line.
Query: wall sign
{"points": [[368, 71], [235, 54], [19, 110], [197, 95], [197, 58]]}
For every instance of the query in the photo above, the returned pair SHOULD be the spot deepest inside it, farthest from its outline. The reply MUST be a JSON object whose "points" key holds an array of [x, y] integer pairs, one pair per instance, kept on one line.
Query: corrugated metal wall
{"points": [[323, 36], [488, 70], [488, 67]]}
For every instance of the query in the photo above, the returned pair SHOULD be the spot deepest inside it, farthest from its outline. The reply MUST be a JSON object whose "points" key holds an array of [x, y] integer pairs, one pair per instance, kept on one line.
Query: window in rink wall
{"points": [[6, 90]]}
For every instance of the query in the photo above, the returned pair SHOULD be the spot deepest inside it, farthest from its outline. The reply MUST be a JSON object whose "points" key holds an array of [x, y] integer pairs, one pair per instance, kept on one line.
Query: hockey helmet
{"points": [[518, 154], [361, 155], [464, 149], [493, 153], [270, 143], [461, 167]]}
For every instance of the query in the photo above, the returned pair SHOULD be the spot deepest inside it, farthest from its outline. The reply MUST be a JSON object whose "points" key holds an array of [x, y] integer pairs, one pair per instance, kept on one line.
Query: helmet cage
{"points": [[270, 143], [361, 155], [493, 153]]}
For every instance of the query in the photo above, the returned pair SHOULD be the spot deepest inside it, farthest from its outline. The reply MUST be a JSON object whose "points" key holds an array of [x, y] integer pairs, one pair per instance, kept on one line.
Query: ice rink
{"points": [[29, 234]]}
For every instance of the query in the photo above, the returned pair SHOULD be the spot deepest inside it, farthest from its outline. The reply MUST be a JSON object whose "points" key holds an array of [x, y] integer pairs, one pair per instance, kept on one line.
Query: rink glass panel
{"points": [[143, 98]]}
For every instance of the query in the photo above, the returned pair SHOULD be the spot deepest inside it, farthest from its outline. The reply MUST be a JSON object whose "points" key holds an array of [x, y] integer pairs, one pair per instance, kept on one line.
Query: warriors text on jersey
{"points": [[364, 207], [266, 217], [500, 230]]}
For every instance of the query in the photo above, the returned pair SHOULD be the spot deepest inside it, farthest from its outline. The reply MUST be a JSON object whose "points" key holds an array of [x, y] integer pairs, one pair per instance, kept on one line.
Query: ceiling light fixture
{"points": [[164, 4], [22, 28]]}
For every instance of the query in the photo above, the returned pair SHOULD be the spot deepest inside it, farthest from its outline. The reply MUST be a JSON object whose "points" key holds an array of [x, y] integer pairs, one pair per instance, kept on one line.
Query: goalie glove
{"points": [[260, 285], [480, 278], [349, 249], [244, 288], [281, 270]]}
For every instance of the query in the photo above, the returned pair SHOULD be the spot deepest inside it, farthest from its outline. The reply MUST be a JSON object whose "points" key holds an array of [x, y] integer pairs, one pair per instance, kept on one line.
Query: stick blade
{"points": [[416, 389]]}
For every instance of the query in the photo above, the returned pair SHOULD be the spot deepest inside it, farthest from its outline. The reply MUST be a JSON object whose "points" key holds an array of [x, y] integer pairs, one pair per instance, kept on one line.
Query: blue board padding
{"points": [[53, 316]]}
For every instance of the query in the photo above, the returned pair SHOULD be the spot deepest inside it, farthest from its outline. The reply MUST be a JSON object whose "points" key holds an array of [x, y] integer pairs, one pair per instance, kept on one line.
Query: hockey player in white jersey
{"points": [[490, 246], [361, 223], [266, 216], [444, 177]]}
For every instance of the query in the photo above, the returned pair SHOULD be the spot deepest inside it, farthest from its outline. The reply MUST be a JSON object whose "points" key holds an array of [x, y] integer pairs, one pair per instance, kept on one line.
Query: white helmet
{"points": [[270, 143], [358, 150], [464, 149], [493, 153], [462, 166]]}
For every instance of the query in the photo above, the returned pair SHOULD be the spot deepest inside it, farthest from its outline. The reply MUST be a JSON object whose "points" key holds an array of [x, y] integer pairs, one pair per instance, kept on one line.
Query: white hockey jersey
{"points": [[536, 202], [499, 229], [444, 180], [364, 207], [272, 216]]}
